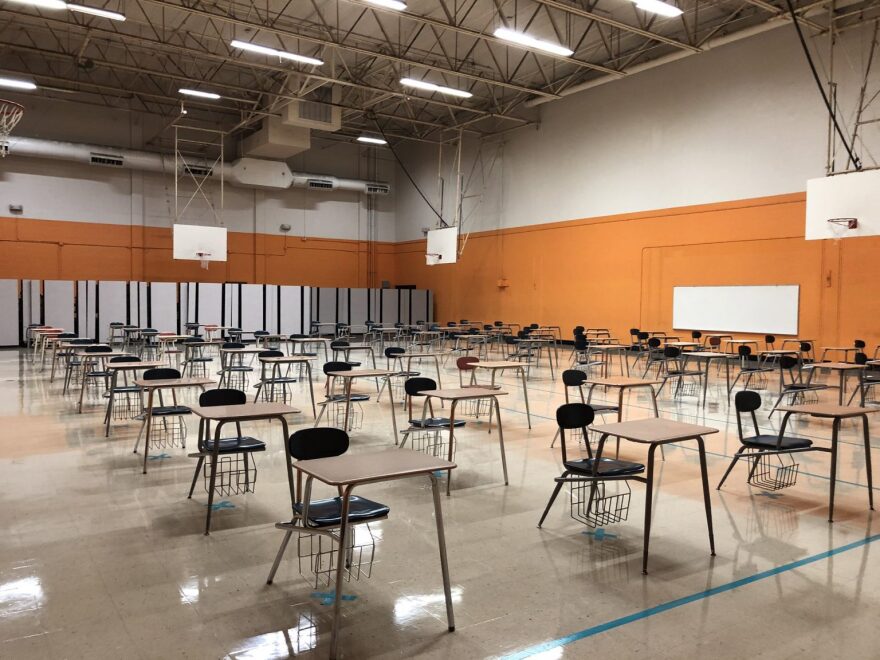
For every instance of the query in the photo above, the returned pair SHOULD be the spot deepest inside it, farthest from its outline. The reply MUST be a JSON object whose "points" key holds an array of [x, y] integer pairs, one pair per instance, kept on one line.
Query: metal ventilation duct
{"points": [[244, 172]]}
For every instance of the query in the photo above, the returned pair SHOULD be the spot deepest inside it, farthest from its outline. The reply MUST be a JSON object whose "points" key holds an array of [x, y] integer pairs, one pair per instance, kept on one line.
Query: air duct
{"points": [[244, 172]]}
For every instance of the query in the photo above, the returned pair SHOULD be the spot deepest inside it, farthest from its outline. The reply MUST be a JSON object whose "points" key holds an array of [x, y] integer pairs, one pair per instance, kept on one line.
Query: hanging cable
{"points": [[408, 175], [857, 163]]}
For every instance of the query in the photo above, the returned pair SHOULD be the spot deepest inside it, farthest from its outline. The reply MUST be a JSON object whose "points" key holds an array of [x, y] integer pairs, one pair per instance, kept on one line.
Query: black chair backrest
{"points": [[193, 340], [806, 347], [319, 442], [534, 326], [222, 397], [124, 358], [861, 358], [232, 344], [744, 351], [696, 334], [573, 377], [464, 321], [414, 386], [859, 343], [339, 343], [498, 324], [574, 415], [671, 352], [580, 343], [149, 331], [769, 339], [66, 335], [578, 330], [391, 351], [642, 336], [509, 339], [98, 349], [486, 326], [747, 401], [260, 333], [449, 324], [654, 342], [336, 366], [81, 342], [788, 362], [270, 353], [161, 373]]}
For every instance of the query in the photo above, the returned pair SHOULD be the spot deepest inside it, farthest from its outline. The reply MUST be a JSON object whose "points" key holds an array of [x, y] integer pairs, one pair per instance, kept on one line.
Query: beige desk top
{"points": [[461, 393], [173, 382], [829, 410], [285, 359], [709, 354], [243, 412], [622, 381], [365, 467], [246, 350], [654, 429], [133, 366], [105, 354], [433, 354], [361, 373], [834, 366], [498, 364]]}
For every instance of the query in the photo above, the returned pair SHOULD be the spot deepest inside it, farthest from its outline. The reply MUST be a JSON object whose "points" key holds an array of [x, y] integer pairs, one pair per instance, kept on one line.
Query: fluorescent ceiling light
{"points": [[431, 87], [265, 50], [658, 7], [390, 4], [202, 95], [94, 11], [16, 83], [371, 140], [531, 42], [42, 4]]}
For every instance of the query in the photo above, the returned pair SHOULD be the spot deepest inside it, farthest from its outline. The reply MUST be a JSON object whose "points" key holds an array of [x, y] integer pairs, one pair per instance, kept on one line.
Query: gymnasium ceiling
{"points": [[163, 45]]}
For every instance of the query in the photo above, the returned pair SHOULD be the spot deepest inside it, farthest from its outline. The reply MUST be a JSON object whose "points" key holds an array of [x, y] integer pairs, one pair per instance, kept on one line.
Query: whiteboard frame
{"points": [[765, 325]]}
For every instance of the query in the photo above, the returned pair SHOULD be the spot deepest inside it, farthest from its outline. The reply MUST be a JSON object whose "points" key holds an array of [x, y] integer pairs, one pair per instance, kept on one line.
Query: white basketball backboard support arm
{"points": [[188, 142]]}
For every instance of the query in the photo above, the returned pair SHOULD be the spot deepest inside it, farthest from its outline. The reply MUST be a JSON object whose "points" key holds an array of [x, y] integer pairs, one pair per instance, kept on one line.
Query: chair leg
{"points": [[195, 477], [736, 457], [278, 557], [555, 438], [552, 499]]}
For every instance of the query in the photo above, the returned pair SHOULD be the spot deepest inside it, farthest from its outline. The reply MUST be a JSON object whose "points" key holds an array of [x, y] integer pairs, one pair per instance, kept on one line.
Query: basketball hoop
{"points": [[10, 115], [841, 227], [203, 259]]}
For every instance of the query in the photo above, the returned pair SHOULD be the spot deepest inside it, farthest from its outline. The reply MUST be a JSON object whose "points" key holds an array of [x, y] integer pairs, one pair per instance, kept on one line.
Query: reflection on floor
{"points": [[98, 560]]}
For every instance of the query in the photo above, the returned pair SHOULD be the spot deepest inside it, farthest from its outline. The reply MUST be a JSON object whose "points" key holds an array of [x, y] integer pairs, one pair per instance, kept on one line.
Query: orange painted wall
{"points": [[47, 249], [618, 271]]}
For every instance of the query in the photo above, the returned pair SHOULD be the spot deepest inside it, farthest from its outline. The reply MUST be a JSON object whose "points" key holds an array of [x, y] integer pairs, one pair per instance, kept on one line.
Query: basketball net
{"points": [[842, 228], [203, 259], [10, 115]]}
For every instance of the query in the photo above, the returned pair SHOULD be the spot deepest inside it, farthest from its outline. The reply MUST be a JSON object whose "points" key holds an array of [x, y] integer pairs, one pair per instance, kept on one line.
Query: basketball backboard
{"points": [[442, 246], [836, 203], [200, 243]]}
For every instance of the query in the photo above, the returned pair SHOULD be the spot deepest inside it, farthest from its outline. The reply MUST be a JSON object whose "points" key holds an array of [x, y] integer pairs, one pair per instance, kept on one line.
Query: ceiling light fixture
{"points": [[42, 4], [371, 140], [431, 87], [530, 42], [389, 4], [94, 11], [200, 94], [265, 50], [16, 83], [658, 7]]}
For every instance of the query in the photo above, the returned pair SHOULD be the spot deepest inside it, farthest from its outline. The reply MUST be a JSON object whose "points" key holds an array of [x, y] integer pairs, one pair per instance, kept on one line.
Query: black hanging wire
{"points": [[408, 175], [857, 163]]}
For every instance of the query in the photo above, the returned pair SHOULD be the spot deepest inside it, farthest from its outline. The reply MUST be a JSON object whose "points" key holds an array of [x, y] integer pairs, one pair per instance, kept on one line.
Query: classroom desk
{"points": [[657, 432], [86, 359], [607, 350], [41, 336], [346, 352], [500, 366], [150, 387], [734, 344], [539, 344], [708, 356], [836, 414], [225, 353], [454, 396], [116, 368], [622, 384], [418, 355], [683, 344], [245, 412], [303, 342], [276, 362], [479, 340], [842, 368], [65, 345], [349, 376], [846, 350], [348, 471]]}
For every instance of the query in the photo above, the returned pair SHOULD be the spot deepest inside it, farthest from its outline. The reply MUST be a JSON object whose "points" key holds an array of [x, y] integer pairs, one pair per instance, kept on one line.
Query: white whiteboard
{"points": [[442, 246], [757, 309], [854, 195]]}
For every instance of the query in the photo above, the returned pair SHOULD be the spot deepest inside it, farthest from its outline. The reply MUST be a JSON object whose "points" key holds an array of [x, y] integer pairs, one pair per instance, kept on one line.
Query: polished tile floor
{"points": [[100, 561]]}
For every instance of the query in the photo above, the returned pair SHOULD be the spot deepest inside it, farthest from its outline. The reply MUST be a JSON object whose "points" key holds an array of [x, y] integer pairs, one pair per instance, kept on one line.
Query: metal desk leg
{"points": [[835, 429], [649, 500], [451, 445], [311, 389], [441, 543], [868, 469], [391, 400], [340, 567], [214, 456], [148, 420], [522, 373], [113, 380], [501, 438], [707, 503], [347, 406]]}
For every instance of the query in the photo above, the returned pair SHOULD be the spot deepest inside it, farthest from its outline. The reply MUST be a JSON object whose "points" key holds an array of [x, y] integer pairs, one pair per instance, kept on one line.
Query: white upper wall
{"points": [[56, 190], [744, 120]]}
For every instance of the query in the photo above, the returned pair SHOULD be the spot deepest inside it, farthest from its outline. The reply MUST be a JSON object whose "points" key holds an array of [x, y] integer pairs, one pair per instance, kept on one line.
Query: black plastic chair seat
{"points": [[327, 513], [167, 411], [435, 423], [353, 397], [683, 372], [237, 444], [200, 359], [282, 380], [804, 387], [123, 389], [608, 467], [769, 442], [602, 408], [98, 374], [353, 364], [408, 374], [239, 368], [314, 355]]}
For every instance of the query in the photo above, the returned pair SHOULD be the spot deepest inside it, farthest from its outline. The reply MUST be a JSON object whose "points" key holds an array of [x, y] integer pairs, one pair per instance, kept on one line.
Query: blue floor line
{"points": [[679, 602]]}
